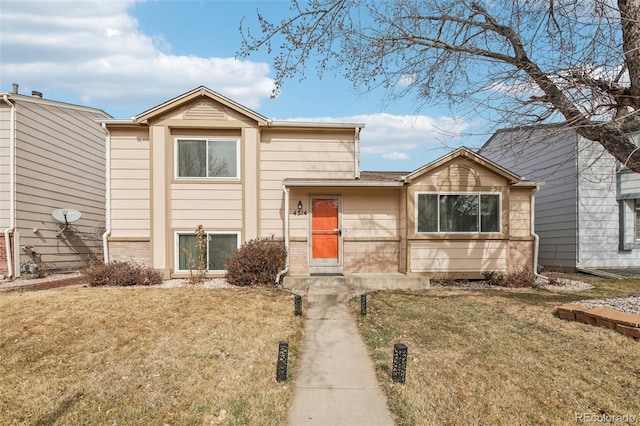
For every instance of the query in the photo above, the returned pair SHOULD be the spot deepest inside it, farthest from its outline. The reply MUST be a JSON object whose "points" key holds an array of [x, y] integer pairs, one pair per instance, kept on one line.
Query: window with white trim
{"points": [[207, 158], [457, 212], [219, 246]]}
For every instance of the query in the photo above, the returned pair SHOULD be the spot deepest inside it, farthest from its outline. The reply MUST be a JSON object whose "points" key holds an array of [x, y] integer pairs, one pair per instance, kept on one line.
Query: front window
{"points": [[458, 212], [216, 249], [207, 158]]}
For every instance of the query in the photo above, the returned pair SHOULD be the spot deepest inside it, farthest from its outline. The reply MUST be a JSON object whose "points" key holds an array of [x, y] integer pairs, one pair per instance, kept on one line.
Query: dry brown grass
{"points": [[145, 356], [500, 357]]}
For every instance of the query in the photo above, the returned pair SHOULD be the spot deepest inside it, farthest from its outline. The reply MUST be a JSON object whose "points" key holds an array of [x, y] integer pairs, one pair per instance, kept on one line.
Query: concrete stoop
{"points": [[328, 294], [359, 281]]}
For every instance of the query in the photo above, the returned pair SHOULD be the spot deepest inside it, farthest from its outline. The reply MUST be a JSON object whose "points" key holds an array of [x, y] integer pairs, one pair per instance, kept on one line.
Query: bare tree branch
{"points": [[527, 60]]}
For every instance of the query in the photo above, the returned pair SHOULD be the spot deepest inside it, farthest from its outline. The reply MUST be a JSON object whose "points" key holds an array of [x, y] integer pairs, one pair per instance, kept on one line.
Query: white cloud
{"points": [[94, 50], [395, 156], [400, 138]]}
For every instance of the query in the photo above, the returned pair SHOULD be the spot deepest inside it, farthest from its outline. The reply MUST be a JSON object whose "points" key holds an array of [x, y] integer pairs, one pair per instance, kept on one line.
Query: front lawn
{"points": [[501, 357], [145, 356]]}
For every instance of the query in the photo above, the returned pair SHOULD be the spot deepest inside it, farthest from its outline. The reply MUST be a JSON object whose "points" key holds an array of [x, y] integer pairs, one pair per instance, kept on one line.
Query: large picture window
{"points": [[458, 212], [218, 248], [207, 158]]}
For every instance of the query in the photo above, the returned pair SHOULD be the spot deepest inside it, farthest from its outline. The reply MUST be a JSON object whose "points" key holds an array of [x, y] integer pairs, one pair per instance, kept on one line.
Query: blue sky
{"points": [[126, 56]]}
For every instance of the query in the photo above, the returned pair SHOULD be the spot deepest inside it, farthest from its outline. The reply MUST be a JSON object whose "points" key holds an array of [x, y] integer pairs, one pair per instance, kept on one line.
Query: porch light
{"points": [[299, 205]]}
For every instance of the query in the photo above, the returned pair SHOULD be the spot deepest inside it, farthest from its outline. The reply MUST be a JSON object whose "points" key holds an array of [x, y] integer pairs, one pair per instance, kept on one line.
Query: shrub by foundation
{"points": [[257, 262], [514, 279], [119, 274]]}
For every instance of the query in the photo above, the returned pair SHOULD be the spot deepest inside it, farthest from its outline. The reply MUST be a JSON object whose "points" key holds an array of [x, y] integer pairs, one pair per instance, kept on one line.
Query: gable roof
{"points": [[469, 155], [202, 91], [196, 93]]}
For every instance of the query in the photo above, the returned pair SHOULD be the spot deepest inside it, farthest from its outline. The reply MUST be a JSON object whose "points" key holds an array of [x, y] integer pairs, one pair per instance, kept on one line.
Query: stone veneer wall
{"points": [[4, 268], [520, 255], [298, 257], [138, 251]]}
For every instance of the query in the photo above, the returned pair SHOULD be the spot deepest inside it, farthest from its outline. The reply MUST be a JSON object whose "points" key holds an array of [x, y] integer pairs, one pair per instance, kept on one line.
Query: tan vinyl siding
{"points": [[60, 162], [130, 184], [371, 213], [469, 256], [520, 213], [216, 206], [299, 155], [459, 175]]}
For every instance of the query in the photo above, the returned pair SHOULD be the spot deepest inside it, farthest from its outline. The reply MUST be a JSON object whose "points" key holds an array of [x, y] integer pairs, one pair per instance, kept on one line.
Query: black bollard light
{"points": [[399, 371], [363, 304], [283, 357], [298, 305]]}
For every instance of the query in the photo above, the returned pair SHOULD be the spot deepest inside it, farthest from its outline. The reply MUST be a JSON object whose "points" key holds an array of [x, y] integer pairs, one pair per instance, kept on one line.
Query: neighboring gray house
{"points": [[52, 156], [587, 213]]}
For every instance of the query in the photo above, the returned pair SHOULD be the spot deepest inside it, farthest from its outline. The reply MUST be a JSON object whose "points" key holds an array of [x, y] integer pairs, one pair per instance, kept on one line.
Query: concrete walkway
{"points": [[335, 382]]}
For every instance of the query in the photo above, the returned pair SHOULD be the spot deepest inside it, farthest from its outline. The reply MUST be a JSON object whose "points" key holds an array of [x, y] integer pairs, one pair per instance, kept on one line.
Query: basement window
{"points": [[218, 247]]}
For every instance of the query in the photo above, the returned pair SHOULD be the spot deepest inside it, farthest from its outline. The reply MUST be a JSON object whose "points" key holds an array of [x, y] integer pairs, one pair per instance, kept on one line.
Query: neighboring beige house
{"points": [[202, 159], [51, 157]]}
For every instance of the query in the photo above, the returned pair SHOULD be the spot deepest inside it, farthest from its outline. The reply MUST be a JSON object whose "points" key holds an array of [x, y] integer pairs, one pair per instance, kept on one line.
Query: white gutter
{"points": [[286, 233], [12, 186], [105, 236], [356, 148], [344, 183], [536, 238]]}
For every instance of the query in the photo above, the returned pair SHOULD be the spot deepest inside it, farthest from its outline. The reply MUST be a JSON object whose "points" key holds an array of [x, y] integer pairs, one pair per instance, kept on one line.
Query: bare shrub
{"points": [[257, 262], [120, 274], [518, 278], [197, 271]]}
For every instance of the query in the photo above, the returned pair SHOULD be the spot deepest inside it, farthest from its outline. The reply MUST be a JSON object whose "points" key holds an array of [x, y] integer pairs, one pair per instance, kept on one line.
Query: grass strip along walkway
{"points": [[501, 357]]}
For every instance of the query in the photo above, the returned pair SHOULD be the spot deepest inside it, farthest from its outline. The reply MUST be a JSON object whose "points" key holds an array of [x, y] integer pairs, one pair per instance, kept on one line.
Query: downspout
{"points": [[356, 148], [286, 233], [12, 186], [105, 236], [536, 238]]}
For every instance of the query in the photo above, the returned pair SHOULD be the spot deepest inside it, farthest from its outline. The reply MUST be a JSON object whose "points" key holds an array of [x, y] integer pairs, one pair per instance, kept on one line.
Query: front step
{"points": [[328, 294], [359, 281]]}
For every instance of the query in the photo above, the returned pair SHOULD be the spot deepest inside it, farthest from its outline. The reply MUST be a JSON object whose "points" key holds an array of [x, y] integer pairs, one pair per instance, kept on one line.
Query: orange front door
{"points": [[325, 232]]}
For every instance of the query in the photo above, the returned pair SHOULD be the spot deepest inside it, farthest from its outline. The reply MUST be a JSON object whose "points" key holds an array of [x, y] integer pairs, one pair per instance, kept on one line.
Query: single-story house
{"points": [[587, 213], [203, 159], [51, 158]]}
